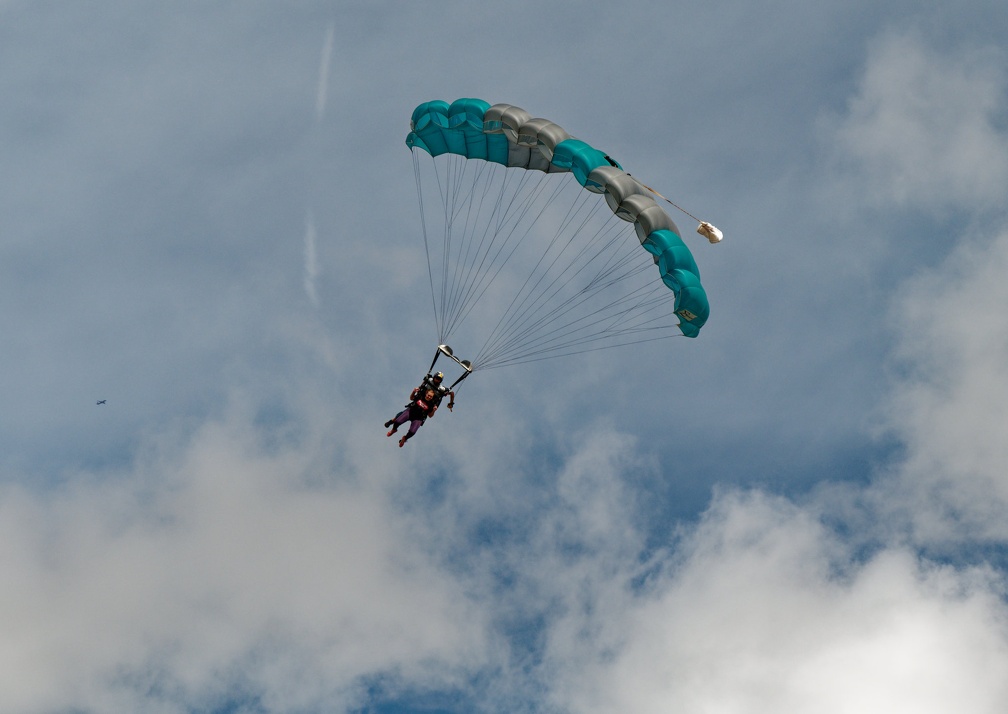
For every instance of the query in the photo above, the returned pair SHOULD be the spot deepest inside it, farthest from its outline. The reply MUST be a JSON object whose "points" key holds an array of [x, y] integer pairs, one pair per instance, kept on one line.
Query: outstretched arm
{"points": [[451, 400]]}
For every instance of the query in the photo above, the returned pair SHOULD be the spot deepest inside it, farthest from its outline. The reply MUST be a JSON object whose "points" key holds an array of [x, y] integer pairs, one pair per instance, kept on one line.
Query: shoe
{"points": [[391, 432], [389, 423], [402, 441]]}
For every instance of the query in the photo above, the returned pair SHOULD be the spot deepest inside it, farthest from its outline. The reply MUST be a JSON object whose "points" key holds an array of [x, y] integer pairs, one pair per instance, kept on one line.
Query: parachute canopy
{"points": [[487, 213]]}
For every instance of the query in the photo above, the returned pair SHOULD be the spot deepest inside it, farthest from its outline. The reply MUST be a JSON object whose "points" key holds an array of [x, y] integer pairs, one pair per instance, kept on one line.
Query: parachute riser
{"points": [[464, 375], [437, 353]]}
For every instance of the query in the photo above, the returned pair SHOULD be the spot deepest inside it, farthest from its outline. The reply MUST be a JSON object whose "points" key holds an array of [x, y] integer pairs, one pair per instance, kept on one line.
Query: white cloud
{"points": [[218, 568], [950, 407], [924, 125], [758, 608], [767, 612]]}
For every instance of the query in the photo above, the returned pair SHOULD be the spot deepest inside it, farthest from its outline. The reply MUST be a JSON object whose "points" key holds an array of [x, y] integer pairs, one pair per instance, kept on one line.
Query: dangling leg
{"points": [[414, 425], [398, 421]]}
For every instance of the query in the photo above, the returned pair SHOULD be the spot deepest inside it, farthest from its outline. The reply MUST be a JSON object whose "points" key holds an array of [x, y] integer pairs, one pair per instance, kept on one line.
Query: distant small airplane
{"points": [[101, 401]]}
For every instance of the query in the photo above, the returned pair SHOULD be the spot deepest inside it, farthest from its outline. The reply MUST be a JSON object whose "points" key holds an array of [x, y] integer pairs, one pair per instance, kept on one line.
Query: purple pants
{"points": [[403, 417]]}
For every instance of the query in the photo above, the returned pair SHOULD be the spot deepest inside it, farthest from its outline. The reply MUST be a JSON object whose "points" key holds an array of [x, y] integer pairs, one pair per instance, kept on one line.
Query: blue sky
{"points": [[208, 218]]}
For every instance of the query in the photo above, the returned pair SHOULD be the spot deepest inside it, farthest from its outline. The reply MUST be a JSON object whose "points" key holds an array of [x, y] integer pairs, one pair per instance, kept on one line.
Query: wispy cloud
{"points": [[926, 124]]}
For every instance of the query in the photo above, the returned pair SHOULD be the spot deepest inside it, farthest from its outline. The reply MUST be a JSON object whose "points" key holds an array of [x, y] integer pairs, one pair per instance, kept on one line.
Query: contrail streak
{"points": [[322, 92], [311, 266]]}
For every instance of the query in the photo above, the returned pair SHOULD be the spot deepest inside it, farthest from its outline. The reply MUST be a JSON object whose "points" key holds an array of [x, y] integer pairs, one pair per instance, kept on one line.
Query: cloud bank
{"points": [[765, 610], [217, 567]]}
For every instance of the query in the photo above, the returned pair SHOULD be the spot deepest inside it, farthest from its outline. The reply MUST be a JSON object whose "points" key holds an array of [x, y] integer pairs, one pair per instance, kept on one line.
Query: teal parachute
{"points": [[502, 183]]}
